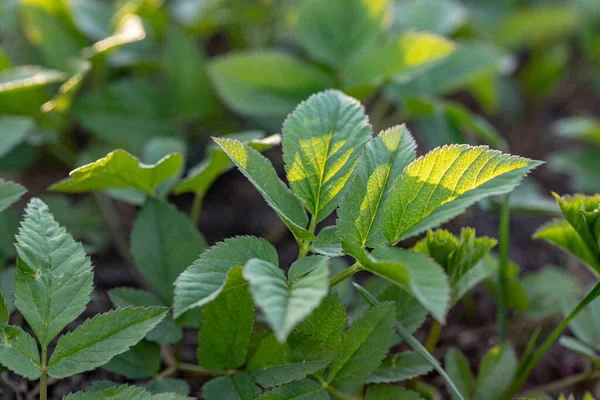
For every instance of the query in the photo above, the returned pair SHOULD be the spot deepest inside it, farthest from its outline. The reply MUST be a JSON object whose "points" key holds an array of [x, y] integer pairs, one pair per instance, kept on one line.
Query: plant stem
{"points": [[434, 336], [198, 370], [167, 372], [572, 380], [503, 270], [178, 353], [196, 206], [304, 245], [345, 274], [44, 377], [520, 379], [338, 395]]}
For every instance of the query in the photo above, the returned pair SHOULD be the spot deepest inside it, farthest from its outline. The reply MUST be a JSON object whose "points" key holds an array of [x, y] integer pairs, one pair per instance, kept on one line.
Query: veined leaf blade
{"points": [[54, 275], [385, 156], [322, 140], [19, 352], [97, 340], [443, 183]]}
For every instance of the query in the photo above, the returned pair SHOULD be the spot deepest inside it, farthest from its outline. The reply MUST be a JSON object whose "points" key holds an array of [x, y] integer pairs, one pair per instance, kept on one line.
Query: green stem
{"points": [[503, 270], [338, 395], [44, 377], [520, 379], [178, 353], [569, 381], [167, 372], [198, 370], [434, 336], [345, 274], [304, 245], [196, 206]]}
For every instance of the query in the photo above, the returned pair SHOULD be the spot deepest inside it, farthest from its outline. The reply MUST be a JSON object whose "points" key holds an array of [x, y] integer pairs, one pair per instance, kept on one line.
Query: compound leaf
{"points": [[10, 192], [19, 352], [363, 348], [359, 215], [226, 325], [204, 279], [164, 243], [54, 276], [99, 339], [265, 83], [119, 169], [262, 175], [322, 140], [286, 302], [443, 183]]}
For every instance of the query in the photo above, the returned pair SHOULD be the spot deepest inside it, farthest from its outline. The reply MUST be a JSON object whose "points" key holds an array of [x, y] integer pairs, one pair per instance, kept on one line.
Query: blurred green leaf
{"points": [[545, 289], [496, 371], [13, 131], [458, 369], [441, 17], [21, 88], [265, 83], [10, 192], [139, 362]]}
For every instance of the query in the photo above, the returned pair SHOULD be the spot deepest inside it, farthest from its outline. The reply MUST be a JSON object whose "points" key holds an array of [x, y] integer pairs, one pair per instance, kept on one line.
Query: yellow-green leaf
{"points": [[322, 140], [119, 169], [443, 183]]}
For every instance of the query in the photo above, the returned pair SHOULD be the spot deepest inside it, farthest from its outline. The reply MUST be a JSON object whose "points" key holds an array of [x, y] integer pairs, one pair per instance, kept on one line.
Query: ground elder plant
{"points": [[271, 331]]}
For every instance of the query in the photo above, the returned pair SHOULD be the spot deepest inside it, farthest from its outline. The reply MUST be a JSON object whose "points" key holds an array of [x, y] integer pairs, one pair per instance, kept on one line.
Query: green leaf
{"points": [[274, 363], [10, 192], [398, 55], [416, 273], [400, 367], [164, 243], [202, 282], [496, 371], [386, 392], [327, 323], [236, 387], [411, 341], [546, 289], [265, 83], [226, 326], [469, 62], [304, 389], [442, 17], [286, 302], [19, 352], [327, 243], [48, 27], [126, 113], [22, 88], [13, 131], [123, 392], [54, 276], [562, 234], [188, 83], [62, 101], [336, 31], [262, 175], [585, 325], [216, 162], [141, 361], [129, 30], [585, 129], [119, 169], [359, 215], [485, 269], [533, 26], [443, 183], [409, 311], [458, 369], [322, 140], [125, 297], [363, 348], [580, 164], [98, 340]]}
